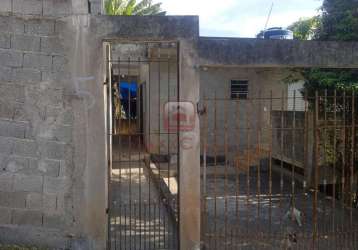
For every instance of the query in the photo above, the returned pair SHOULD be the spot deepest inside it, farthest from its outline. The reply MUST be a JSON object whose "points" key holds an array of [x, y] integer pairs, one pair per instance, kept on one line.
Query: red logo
{"points": [[179, 116]]}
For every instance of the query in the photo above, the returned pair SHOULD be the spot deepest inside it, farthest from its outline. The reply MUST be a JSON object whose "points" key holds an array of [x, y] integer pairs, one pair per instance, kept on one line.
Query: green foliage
{"points": [[131, 7], [305, 28], [339, 20]]}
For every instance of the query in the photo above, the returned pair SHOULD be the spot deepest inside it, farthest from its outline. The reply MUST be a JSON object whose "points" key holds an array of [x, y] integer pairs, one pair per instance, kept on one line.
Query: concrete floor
{"points": [[238, 217], [139, 218]]}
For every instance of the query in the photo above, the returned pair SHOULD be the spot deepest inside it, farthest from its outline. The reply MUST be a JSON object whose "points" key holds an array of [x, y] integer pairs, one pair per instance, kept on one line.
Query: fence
{"points": [[279, 178]]}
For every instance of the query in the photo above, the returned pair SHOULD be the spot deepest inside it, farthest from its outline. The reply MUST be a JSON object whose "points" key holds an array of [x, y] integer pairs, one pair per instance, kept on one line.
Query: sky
{"points": [[241, 18]]}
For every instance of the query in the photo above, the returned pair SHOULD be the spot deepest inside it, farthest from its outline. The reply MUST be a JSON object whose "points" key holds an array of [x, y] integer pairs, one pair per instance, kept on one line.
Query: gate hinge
{"points": [[107, 210]]}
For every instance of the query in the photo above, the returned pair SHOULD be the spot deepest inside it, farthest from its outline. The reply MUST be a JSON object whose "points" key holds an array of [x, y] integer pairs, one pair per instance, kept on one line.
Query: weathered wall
{"points": [[229, 119], [250, 52], [46, 172]]}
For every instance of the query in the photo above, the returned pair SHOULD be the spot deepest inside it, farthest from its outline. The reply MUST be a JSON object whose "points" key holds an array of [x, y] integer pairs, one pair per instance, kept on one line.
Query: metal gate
{"points": [[144, 169], [279, 171]]}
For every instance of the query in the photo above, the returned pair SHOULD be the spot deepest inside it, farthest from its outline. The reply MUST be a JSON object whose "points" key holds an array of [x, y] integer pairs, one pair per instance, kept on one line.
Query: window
{"points": [[239, 89]]}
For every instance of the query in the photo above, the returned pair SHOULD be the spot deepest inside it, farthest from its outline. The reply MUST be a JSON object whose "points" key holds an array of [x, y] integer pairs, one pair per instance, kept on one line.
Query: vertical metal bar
{"points": [[248, 163], [148, 222], [130, 155], [178, 143], [324, 166], [237, 169], [215, 170], [344, 161], [316, 152], [352, 158], [140, 166], [226, 166], [168, 149], [281, 160], [205, 135], [258, 182], [293, 181], [305, 156], [270, 166], [334, 181]]}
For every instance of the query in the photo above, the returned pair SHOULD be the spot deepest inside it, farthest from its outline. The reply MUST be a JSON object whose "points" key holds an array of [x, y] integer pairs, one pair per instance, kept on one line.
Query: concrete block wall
{"points": [[36, 125]]}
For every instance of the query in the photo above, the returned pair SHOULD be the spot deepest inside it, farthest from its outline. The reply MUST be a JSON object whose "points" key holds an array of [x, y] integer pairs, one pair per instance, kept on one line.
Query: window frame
{"points": [[237, 95]]}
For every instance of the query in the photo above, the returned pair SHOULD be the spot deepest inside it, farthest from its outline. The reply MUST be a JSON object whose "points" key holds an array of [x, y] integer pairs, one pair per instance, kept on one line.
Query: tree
{"points": [[131, 7], [305, 28]]}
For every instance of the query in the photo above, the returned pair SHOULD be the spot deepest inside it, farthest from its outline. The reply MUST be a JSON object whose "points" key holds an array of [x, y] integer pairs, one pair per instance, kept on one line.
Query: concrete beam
{"points": [[248, 52]]}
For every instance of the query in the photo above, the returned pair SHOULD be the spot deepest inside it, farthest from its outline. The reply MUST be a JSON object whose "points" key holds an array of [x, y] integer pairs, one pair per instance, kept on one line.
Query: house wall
{"points": [[230, 119]]}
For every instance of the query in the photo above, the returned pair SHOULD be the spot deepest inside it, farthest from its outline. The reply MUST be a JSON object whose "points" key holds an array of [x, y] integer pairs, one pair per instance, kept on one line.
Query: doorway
{"points": [[143, 168]]}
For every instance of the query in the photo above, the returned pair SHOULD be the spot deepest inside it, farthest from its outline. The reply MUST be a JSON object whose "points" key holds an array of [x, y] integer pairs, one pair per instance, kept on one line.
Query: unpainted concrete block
{"points": [[64, 116], [25, 42], [40, 27], [55, 185], [39, 62], [5, 41], [14, 164], [5, 215], [12, 24], [13, 128], [13, 199], [45, 167], [51, 45], [29, 183], [53, 150], [49, 203], [6, 181], [58, 64], [63, 133], [25, 147], [54, 220], [5, 6], [14, 92], [11, 58], [12, 110], [27, 217], [5, 74], [57, 8], [6, 145], [34, 201], [25, 75], [27, 7]]}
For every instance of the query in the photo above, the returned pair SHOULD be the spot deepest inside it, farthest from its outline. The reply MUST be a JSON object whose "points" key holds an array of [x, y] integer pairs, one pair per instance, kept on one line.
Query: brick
{"points": [[5, 6], [29, 183], [5, 74], [34, 201], [12, 128], [40, 27], [27, 7], [58, 64], [13, 199], [5, 215], [10, 58], [57, 7], [27, 217], [25, 147], [6, 180], [55, 185], [39, 62], [45, 167], [53, 150], [25, 42], [26, 75], [5, 41], [12, 92], [51, 45]]}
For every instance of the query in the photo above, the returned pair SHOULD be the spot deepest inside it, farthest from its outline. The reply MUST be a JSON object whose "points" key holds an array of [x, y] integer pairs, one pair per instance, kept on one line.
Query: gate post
{"points": [[189, 168]]}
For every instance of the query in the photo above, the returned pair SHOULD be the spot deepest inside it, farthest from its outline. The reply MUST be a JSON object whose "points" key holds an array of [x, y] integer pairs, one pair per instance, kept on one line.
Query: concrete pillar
{"points": [[189, 192]]}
